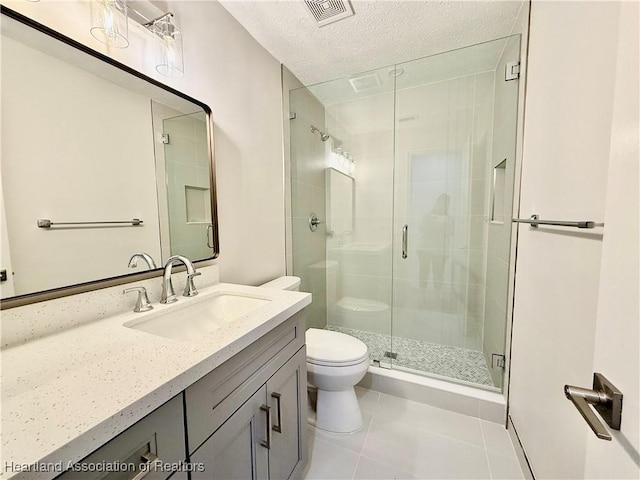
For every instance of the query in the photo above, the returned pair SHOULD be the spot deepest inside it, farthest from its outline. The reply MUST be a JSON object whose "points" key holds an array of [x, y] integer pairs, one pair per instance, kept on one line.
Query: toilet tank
{"points": [[284, 283]]}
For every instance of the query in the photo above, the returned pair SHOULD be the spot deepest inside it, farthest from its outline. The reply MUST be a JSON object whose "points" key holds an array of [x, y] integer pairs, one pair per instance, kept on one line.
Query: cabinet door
{"points": [[235, 450], [286, 394]]}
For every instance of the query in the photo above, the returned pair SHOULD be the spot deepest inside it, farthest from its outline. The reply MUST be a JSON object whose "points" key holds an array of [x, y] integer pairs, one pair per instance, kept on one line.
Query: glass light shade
{"points": [[169, 59], [109, 22]]}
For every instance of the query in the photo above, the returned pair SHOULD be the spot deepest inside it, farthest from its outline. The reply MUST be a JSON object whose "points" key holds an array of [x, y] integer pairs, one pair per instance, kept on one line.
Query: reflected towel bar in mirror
{"points": [[534, 221], [46, 223]]}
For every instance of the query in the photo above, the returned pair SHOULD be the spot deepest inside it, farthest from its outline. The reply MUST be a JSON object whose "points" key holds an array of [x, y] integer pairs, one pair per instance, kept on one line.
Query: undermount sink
{"points": [[201, 317]]}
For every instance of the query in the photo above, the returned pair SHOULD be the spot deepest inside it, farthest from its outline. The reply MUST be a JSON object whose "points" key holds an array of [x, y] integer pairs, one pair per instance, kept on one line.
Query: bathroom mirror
{"points": [[99, 162]]}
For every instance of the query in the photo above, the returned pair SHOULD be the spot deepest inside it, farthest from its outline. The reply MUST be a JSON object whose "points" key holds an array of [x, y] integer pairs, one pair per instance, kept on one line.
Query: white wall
{"points": [[229, 71], [571, 74], [111, 164]]}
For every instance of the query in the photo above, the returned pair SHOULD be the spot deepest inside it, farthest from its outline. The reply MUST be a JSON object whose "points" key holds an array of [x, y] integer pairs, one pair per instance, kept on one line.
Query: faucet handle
{"points": [[190, 289], [142, 304]]}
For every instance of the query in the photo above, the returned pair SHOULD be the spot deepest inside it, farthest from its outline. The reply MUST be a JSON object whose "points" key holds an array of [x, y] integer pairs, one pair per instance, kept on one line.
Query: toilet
{"points": [[336, 362]]}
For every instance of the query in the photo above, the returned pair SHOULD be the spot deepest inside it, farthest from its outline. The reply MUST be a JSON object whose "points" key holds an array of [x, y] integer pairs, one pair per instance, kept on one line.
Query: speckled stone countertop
{"points": [[67, 394]]}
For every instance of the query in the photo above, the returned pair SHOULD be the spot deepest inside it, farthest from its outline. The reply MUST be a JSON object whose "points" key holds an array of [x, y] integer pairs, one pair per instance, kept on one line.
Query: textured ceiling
{"points": [[380, 33]]}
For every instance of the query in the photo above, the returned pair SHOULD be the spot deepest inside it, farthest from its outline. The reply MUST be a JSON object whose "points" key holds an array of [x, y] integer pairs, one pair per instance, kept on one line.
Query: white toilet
{"points": [[335, 363]]}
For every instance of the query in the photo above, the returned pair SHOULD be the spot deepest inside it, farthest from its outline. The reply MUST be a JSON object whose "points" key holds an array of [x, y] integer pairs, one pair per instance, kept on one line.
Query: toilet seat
{"points": [[334, 349]]}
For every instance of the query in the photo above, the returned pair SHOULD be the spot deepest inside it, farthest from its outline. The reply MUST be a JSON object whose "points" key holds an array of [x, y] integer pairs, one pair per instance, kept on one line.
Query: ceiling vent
{"points": [[365, 82], [328, 11]]}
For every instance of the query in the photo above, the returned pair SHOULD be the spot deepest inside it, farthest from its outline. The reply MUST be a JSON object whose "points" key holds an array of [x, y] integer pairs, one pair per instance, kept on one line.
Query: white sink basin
{"points": [[192, 321]]}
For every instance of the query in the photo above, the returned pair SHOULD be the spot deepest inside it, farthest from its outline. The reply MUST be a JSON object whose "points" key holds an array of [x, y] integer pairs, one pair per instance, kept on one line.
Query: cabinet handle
{"points": [[148, 467], [278, 427], [267, 410]]}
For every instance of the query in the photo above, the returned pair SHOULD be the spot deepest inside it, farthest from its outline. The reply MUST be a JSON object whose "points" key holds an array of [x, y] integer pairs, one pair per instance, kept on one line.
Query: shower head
{"points": [[323, 136]]}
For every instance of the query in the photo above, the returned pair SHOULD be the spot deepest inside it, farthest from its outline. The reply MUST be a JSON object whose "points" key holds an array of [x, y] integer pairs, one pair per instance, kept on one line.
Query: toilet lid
{"points": [[325, 347]]}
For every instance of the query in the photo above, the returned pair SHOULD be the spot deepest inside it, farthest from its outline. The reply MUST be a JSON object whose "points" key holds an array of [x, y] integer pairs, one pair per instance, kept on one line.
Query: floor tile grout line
{"points": [[353, 477], [440, 435], [413, 474], [512, 451], [486, 451], [443, 435]]}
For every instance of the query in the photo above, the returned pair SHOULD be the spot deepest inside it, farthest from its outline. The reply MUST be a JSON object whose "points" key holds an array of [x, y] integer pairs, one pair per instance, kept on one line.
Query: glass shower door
{"points": [[455, 128]]}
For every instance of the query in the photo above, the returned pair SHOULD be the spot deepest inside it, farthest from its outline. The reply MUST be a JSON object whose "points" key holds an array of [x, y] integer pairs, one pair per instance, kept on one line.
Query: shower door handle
{"points": [[405, 234]]}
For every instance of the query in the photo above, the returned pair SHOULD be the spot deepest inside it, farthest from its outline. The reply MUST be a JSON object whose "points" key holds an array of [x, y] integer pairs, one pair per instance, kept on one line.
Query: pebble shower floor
{"points": [[445, 360]]}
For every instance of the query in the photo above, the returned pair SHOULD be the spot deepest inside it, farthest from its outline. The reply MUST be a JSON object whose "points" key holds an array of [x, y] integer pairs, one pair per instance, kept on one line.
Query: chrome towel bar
{"points": [[534, 221], [46, 223]]}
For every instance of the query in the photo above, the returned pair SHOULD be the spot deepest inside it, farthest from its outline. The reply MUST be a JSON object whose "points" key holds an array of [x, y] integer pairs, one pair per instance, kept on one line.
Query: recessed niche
{"points": [[499, 189], [198, 204]]}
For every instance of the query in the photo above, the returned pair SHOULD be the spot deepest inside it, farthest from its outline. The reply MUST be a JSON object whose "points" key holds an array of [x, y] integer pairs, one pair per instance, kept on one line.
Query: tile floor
{"points": [[446, 360], [403, 439]]}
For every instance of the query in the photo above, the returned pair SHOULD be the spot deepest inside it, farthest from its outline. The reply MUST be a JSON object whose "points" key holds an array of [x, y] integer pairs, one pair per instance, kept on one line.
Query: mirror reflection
{"points": [[97, 165]]}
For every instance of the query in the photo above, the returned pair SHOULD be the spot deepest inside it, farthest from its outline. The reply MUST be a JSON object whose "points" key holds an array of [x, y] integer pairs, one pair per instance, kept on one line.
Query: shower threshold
{"points": [[447, 361]]}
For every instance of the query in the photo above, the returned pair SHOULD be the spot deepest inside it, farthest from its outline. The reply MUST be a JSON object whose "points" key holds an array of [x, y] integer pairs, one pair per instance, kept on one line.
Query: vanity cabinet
{"points": [[244, 420], [158, 435], [251, 425]]}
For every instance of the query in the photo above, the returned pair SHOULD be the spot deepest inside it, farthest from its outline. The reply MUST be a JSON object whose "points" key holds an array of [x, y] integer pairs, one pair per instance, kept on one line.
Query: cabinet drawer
{"points": [[214, 398], [160, 433]]}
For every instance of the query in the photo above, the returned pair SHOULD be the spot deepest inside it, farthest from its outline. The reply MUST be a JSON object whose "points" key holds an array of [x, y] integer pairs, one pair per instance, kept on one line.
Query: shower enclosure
{"points": [[401, 187]]}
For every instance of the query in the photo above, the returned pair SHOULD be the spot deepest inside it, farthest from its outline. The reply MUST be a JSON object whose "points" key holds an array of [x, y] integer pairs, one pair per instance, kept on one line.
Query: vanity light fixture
{"points": [[109, 25], [169, 56], [110, 22]]}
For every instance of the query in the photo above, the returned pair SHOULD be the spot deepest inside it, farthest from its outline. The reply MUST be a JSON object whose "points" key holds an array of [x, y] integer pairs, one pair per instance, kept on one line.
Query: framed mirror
{"points": [[99, 162]]}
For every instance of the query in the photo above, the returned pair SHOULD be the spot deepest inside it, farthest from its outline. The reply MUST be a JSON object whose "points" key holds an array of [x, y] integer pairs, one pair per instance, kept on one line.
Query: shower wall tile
{"points": [[476, 267], [301, 196], [460, 126], [497, 277], [478, 227], [363, 259], [483, 123], [417, 325], [499, 240], [483, 92], [376, 201], [461, 92], [432, 98], [427, 131], [475, 300], [479, 199], [372, 288], [308, 165], [373, 170], [373, 230], [375, 143], [480, 168]]}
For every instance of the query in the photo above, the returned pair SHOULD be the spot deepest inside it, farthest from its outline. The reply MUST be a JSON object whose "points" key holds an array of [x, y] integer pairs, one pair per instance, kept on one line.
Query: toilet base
{"points": [[338, 411]]}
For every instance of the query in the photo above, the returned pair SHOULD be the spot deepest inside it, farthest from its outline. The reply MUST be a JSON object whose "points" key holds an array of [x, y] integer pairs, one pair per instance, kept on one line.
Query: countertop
{"points": [[65, 395]]}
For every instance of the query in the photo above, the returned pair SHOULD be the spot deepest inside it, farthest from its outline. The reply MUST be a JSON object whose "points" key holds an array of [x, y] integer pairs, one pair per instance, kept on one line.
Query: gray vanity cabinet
{"points": [[244, 420], [252, 428], [234, 451], [158, 435], [287, 396]]}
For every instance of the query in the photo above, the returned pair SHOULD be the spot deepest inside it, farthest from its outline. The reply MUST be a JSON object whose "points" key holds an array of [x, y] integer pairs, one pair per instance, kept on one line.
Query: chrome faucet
{"points": [[142, 304], [133, 261], [168, 293]]}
